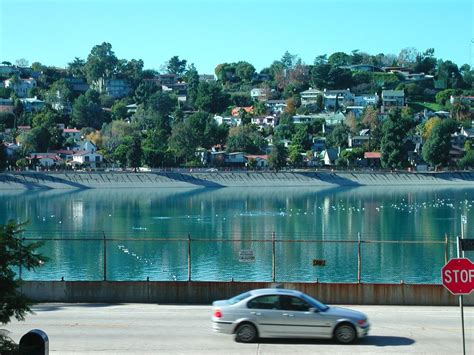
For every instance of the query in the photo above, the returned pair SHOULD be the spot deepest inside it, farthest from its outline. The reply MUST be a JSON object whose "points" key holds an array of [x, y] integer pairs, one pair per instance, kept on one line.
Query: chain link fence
{"points": [[311, 259]]}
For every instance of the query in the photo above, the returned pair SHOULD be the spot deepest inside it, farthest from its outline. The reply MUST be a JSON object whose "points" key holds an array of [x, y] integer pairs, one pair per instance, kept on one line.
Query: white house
{"points": [[46, 160], [264, 121], [365, 100], [230, 121], [341, 97], [20, 86], [261, 160], [91, 159], [276, 106]]}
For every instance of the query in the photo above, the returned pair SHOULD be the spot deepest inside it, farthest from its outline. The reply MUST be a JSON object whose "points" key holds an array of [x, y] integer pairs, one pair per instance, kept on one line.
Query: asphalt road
{"points": [[166, 329]]}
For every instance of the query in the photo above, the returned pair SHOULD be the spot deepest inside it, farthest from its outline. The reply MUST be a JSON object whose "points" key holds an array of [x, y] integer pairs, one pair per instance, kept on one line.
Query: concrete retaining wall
{"points": [[206, 292], [160, 179]]}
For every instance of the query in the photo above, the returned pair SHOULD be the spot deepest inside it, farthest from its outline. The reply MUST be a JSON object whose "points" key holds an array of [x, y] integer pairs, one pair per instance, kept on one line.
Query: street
{"points": [[181, 329]]}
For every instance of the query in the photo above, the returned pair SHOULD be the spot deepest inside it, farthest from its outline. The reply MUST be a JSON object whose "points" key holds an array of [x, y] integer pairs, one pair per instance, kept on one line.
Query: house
{"points": [[236, 110], [359, 140], [230, 121], [168, 79], [6, 105], [363, 67], [264, 121], [83, 157], [235, 158], [261, 160], [20, 86], [330, 155], [276, 106], [73, 133], [45, 160], [115, 88], [319, 144], [310, 96], [392, 99], [132, 108], [302, 118], [180, 89], [258, 94], [8, 70], [373, 158], [208, 78], [334, 98], [365, 100], [78, 85], [32, 104]]}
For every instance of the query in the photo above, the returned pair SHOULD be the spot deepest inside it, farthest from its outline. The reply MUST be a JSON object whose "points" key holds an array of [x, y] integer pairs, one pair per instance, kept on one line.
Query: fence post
{"points": [[20, 240], [446, 251], [105, 256], [189, 257], [358, 257], [273, 258]]}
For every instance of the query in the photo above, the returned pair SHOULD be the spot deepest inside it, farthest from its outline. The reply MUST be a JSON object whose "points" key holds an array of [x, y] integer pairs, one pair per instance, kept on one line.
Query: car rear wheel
{"points": [[246, 333], [345, 334]]}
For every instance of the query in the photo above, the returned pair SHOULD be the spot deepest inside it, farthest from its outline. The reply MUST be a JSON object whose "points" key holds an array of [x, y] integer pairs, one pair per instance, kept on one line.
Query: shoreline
{"points": [[204, 179]]}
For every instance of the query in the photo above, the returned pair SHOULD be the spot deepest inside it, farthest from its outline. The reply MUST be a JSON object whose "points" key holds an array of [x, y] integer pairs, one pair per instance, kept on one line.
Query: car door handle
{"points": [[256, 313], [288, 315]]}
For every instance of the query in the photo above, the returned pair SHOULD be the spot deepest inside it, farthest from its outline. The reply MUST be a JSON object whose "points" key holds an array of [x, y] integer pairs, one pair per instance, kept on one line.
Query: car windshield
{"points": [[321, 306], [238, 298]]}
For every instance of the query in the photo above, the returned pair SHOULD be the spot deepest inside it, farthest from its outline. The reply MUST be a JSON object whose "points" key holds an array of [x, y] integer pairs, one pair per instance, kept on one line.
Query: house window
{"points": [[97, 159], [87, 159]]}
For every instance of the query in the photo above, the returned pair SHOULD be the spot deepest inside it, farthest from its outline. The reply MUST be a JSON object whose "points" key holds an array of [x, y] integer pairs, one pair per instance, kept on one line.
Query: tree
{"points": [[244, 71], [277, 157], [407, 56], [3, 156], [76, 68], [338, 137], [192, 79], [176, 66], [211, 98], [101, 63], [134, 153], [14, 254], [245, 139], [428, 127], [87, 111], [436, 149], [289, 60], [294, 155], [394, 130], [154, 148], [339, 59]]}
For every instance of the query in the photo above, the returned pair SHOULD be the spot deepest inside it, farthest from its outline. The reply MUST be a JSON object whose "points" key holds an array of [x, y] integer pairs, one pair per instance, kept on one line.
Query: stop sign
{"points": [[458, 276]]}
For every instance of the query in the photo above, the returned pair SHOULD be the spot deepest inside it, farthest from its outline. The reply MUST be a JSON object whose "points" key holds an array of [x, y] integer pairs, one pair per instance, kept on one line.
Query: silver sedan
{"points": [[281, 313]]}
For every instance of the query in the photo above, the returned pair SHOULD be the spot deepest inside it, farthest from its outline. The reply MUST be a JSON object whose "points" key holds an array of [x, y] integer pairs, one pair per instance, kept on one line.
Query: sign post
{"points": [[458, 274]]}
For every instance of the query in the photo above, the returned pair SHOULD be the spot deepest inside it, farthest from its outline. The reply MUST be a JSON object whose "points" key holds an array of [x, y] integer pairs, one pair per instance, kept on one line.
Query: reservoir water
{"points": [[224, 234]]}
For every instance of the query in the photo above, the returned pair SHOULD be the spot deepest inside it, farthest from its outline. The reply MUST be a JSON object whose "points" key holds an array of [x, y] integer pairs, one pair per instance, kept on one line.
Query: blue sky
{"points": [[209, 32]]}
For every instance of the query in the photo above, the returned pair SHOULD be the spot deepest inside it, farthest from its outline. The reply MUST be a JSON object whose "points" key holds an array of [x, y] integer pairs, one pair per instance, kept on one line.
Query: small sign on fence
{"points": [[246, 256], [467, 244], [319, 262]]}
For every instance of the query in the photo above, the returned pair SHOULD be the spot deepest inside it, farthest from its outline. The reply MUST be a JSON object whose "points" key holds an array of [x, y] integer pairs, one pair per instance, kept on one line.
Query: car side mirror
{"points": [[314, 310]]}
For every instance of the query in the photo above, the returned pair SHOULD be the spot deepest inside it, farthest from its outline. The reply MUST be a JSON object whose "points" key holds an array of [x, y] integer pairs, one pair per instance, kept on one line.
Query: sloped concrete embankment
{"points": [[96, 180]]}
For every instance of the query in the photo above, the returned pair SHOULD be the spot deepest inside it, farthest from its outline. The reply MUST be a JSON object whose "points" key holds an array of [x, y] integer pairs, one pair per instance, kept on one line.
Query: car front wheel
{"points": [[246, 333], [345, 334]]}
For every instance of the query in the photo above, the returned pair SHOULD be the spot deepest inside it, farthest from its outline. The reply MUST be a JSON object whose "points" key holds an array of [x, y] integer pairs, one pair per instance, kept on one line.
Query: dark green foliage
{"points": [[277, 157], [394, 132], [3, 156], [14, 253], [339, 136], [245, 139], [211, 98], [87, 111], [5, 93], [176, 66], [7, 119], [436, 149], [134, 152]]}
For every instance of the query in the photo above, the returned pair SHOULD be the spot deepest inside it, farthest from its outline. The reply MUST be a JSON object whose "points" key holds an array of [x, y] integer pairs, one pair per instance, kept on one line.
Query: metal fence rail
{"points": [[241, 259]]}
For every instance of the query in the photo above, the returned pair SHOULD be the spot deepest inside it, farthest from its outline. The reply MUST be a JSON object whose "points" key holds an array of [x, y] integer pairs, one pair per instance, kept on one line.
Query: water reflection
{"points": [[246, 214]]}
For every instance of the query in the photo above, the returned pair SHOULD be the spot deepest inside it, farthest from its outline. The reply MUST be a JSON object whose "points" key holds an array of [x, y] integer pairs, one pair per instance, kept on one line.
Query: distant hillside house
{"points": [[264, 121], [20, 86], [115, 88], [46, 160], [6, 105], [208, 78], [73, 133], [310, 96], [230, 121], [392, 99], [258, 94], [32, 104], [236, 110], [276, 106], [261, 160]]}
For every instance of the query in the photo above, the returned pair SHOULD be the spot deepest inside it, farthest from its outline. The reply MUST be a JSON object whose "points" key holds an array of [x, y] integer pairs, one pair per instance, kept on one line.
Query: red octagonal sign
{"points": [[458, 276]]}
